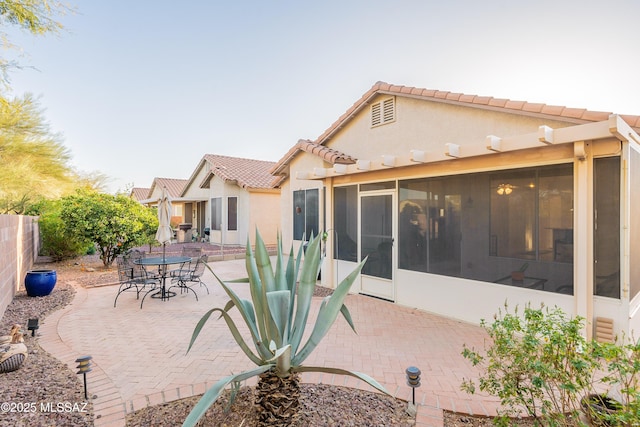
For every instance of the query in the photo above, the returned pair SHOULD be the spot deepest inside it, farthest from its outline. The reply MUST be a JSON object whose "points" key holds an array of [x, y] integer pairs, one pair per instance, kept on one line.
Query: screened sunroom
{"points": [[558, 229], [461, 203]]}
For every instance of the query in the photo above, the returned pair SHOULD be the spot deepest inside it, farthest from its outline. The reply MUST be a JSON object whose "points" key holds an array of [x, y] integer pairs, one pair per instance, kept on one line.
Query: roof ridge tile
{"points": [[483, 100], [498, 102], [532, 107]]}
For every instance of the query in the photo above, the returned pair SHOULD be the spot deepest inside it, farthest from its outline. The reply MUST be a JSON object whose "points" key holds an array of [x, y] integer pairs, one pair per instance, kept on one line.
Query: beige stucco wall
{"points": [[419, 125], [195, 192], [256, 208], [177, 207], [428, 126], [193, 189], [302, 163], [263, 215], [218, 189]]}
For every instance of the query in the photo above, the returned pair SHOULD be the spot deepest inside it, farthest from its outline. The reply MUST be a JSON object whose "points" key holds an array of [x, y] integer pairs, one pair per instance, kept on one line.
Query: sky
{"points": [[140, 89]]}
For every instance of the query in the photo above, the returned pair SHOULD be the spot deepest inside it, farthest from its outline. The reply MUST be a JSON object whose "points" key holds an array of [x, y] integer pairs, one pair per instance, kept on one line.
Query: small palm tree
{"points": [[276, 317]]}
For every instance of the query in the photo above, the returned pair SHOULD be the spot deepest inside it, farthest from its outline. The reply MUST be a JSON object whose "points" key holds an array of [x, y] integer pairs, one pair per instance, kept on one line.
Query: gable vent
{"points": [[383, 112]]}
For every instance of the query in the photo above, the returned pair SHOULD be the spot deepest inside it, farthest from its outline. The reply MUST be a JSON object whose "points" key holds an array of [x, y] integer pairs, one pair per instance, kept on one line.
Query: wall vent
{"points": [[604, 330], [383, 112]]}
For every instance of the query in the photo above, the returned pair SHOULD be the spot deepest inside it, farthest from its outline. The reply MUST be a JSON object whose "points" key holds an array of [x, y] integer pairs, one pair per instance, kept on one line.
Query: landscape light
{"points": [[84, 366], [32, 325], [413, 380]]}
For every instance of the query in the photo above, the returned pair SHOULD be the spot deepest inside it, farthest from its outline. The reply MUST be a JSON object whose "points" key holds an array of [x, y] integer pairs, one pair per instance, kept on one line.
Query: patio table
{"points": [[161, 263]]}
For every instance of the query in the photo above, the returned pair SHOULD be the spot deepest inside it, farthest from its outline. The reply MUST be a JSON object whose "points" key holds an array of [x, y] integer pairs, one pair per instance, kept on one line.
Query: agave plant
{"points": [[276, 318]]}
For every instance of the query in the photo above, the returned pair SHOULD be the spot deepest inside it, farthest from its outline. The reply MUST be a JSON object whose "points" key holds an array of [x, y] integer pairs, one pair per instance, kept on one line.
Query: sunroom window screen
{"points": [[607, 227], [488, 225], [345, 219]]}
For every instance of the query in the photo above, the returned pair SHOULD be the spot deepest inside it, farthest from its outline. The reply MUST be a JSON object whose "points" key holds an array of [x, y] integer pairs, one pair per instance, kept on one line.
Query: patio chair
{"points": [[198, 271], [191, 251], [190, 273], [139, 271], [132, 277]]}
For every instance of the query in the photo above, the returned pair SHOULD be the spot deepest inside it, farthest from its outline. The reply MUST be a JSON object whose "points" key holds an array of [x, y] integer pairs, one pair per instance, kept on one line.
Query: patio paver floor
{"points": [[140, 359]]}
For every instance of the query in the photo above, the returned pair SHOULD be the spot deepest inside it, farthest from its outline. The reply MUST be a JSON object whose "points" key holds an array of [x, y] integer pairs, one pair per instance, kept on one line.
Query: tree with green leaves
{"points": [[276, 318], [114, 223], [58, 241], [35, 163]]}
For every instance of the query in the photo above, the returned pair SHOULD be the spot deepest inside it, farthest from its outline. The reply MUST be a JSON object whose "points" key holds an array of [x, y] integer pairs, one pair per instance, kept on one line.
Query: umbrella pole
{"points": [[164, 248]]}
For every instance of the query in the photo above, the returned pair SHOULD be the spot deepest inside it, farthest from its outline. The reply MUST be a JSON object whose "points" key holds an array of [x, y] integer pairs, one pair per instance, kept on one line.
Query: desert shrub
{"points": [[536, 361], [57, 242], [621, 364], [113, 224]]}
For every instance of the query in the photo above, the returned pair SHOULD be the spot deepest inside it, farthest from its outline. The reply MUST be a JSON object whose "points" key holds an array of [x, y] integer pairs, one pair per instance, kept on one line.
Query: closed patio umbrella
{"points": [[164, 233]]}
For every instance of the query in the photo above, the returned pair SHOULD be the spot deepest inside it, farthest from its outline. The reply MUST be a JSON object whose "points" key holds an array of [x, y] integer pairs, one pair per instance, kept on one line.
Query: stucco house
{"points": [[228, 197], [462, 202], [174, 188], [139, 193]]}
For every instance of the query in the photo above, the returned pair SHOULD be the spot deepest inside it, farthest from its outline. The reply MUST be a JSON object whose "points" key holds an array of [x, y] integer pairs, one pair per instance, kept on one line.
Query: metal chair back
{"points": [[124, 270], [191, 251], [198, 270]]}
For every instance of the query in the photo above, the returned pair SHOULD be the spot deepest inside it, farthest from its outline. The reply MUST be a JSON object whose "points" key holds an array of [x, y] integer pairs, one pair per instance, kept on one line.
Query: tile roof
{"points": [[174, 186], [246, 173], [327, 154], [555, 112], [139, 193]]}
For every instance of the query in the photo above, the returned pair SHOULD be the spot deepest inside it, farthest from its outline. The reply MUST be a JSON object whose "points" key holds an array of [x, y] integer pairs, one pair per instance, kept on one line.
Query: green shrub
{"points": [[113, 224], [57, 242], [537, 361], [540, 362], [621, 363]]}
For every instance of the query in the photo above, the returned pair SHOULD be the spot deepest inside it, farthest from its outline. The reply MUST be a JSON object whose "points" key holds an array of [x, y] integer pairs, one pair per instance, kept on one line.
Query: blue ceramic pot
{"points": [[40, 283]]}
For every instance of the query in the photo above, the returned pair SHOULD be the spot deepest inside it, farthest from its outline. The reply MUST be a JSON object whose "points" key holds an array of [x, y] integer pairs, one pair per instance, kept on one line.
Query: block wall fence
{"points": [[19, 245]]}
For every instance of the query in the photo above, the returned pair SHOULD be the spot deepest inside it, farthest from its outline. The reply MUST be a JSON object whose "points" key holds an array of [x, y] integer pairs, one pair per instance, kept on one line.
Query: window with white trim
{"points": [[232, 213], [305, 214], [216, 213]]}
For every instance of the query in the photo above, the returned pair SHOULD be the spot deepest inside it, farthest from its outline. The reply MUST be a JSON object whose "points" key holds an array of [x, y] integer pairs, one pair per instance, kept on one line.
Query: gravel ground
{"points": [[320, 405], [43, 392]]}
